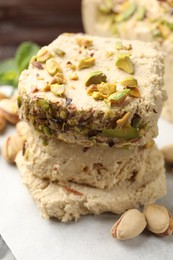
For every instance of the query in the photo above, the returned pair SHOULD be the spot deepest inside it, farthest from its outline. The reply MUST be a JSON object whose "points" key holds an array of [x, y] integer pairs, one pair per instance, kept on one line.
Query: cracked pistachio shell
{"points": [[124, 63], [52, 67], [130, 225], [86, 63], [125, 133], [95, 77], [43, 55], [57, 89], [127, 13]]}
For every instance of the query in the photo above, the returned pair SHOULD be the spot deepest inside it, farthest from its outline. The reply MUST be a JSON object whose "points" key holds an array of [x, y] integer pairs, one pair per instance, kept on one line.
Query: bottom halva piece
{"points": [[68, 201], [99, 167]]}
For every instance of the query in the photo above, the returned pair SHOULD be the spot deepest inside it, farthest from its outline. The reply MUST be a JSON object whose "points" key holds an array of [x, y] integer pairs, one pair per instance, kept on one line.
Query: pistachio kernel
{"points": [[33, 59], [57, 89], [125, 133], [47, 131], [119, 45], [127, 13], [106, 88], [52, 67], [59, 52], [119, 97], [70, 65], [19, 101], [73, 76], [58, 78], [95, 77], [43, 104], [92, 88], [43, 55], [109, 54], [82, 42], [86, 63], [134, 92], [129, 81], [124, 63], [98, 96], [63, 114], [122, 121], [140, 15]]}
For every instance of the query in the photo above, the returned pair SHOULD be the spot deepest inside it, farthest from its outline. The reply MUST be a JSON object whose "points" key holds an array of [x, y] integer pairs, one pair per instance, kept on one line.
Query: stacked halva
{"points": [[92, 105], [147, 20]]}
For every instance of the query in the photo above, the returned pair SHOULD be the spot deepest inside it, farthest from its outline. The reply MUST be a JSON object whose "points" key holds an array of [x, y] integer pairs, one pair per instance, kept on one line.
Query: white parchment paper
{"points": [[30, 237]]}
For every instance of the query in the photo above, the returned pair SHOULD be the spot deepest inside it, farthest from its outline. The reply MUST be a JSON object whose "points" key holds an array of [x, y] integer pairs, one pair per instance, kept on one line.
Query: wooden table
{"points": [[36, 20]]}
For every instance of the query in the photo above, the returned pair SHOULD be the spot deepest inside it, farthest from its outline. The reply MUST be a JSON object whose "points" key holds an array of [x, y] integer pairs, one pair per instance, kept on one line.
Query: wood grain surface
{"points": [[35, 20]]}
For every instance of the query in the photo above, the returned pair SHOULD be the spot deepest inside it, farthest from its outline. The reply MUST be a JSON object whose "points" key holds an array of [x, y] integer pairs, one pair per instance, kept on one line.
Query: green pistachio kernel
{"points": [[95, 77], [124, 63], [106, 6], [43, 104], [124, 133], [59, 52], [98, 96], [47, 131], [86, 63], [140, 14], [19, 101], [106, 88], [119, 45], [57, 89], [127, 13], [52, 67], [119, 97], [43, 55], [129, 81]]}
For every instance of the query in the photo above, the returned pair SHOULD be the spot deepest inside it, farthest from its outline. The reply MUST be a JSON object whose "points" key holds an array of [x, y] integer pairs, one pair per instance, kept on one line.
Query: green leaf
{"points": [[24, 53], [7, 65], [9, 77]]}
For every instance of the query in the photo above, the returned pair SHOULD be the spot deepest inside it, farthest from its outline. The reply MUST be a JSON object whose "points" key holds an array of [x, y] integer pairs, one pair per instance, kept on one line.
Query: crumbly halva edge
{"points": [[101, 167], [78, 117], [68, 201]]}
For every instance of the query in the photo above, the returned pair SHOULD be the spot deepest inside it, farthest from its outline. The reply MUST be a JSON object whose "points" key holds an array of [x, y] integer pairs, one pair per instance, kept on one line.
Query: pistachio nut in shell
{"points": [[158, 218], [11, 147], [167, 151], [3, 121], [130, 225], [9, 110]]}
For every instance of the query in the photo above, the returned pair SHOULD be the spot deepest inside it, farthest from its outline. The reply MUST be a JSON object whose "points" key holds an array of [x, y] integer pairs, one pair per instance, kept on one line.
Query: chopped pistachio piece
{"points": [[95, 77], [43, 104], [58, 78], [124, 63], [124, 133], [57, 89], [109, 54], [59, 52], [86, 63], [63, 114], [164, 30], [98, 96], [135, 92], [43, 55], [83, 42], [122, 121], [33, 59], [70, 65], [106, 6], [129, 81], [92, 88], [19, 101], [140, 14], [119, 97], [127, 12], [52, 67], [47, 131], [106, 88], [73, 76], [119, 45]]}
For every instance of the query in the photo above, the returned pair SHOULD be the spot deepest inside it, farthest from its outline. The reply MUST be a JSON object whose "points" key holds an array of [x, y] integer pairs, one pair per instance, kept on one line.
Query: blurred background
{"points": [[40, 21]]}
